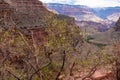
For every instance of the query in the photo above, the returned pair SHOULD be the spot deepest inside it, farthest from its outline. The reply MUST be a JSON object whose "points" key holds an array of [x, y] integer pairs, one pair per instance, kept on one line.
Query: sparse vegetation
{"points": [[56, 51], [28, 58], [88, 38]]}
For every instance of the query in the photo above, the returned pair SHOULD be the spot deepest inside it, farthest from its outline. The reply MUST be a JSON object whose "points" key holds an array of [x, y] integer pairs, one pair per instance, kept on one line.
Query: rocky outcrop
{"points": [[117, 28], [23, 13]]}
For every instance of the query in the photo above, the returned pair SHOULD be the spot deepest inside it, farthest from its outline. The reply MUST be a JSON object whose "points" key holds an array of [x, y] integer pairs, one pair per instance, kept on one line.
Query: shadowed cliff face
{"points": [[117, 28]]}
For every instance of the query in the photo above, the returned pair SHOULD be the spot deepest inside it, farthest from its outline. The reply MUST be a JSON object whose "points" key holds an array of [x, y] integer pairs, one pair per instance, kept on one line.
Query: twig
{"points": [[71, 69], [13, 75], [41, 68], [6, 57], [92, 71], [32, 66], [22, 36], [63, 63]]}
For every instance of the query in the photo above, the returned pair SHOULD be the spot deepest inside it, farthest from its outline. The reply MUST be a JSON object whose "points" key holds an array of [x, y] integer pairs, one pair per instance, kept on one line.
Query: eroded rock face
{"points": [[26, 6], [23, 13], [117, 28], [29, 16]]}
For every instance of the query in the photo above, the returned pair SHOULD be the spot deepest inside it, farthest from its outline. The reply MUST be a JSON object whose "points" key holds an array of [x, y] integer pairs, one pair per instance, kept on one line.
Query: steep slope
{"points": [[79, 12], [92, 27], [24, 13], [38, 55], [99, 13], [30, 17], [117, 28], [107, 37], [86, 15]]}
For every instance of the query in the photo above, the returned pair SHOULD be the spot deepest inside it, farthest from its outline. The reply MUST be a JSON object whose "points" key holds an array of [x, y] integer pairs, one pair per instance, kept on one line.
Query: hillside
{"points": [[99, 14], [109, 36], [24, 13], [92, 27], [79, 12], [38, 44], [34, 42], [98, 55], [104, 17]]}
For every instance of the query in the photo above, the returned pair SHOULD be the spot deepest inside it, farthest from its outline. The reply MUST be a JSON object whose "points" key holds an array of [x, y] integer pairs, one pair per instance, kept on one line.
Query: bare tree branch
{"points": [[41, 68], [71, 68], [13, 75], [63, 63], [92, 71]]}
